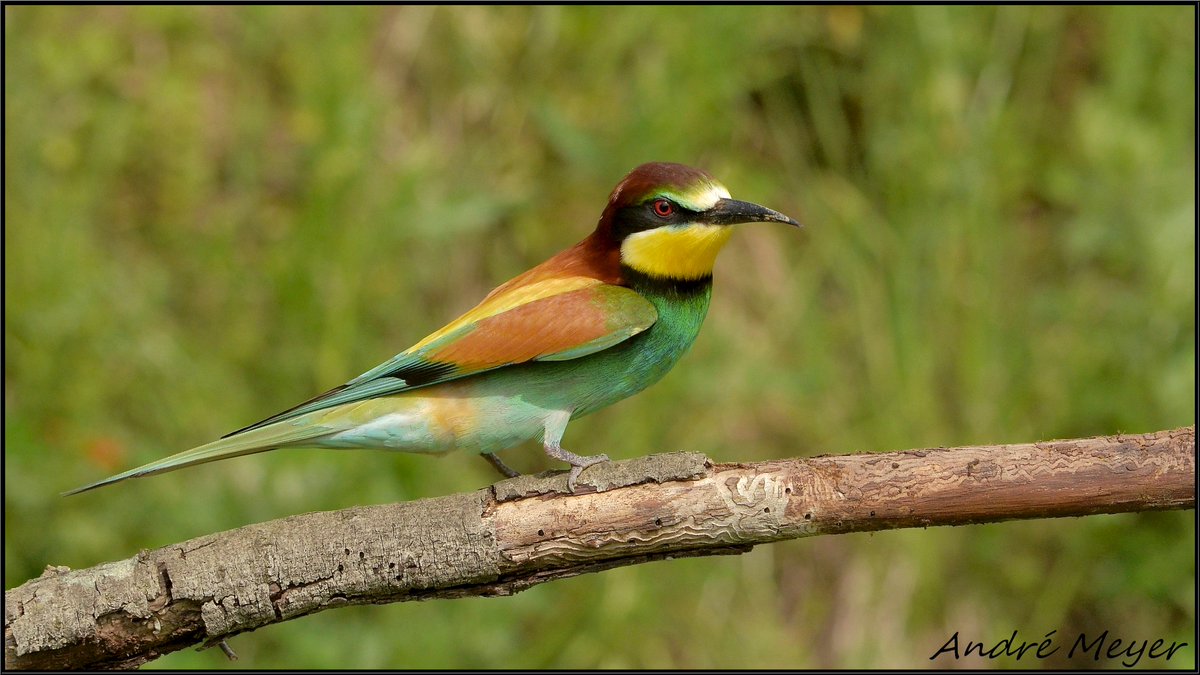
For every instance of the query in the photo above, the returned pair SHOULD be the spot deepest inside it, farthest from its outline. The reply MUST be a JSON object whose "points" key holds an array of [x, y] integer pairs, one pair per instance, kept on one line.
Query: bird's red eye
{"points": [[663, 208]]}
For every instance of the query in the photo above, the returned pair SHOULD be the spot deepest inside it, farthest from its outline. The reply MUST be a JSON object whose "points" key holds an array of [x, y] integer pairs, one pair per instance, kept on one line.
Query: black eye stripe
{"points": [[641, 217]]}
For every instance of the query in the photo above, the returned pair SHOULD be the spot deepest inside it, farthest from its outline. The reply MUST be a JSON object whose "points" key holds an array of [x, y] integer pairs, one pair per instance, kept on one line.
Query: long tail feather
{"points": [[257, 440]]}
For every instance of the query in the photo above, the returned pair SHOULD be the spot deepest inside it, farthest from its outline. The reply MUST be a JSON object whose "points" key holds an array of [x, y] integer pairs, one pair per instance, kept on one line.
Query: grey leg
{"points": [[500, 466], [227, 650], [555, 426]]}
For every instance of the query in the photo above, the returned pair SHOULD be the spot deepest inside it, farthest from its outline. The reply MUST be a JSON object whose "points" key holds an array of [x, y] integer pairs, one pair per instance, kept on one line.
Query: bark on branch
{"points": [[527, 530]]}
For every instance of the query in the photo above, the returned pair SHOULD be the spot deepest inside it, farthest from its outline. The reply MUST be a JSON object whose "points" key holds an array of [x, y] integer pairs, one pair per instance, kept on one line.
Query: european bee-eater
{"points": [[592, 325]]}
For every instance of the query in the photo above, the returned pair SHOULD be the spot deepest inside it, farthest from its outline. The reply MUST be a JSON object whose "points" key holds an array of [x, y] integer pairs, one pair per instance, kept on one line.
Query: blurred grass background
{"points": [[214, 213]]}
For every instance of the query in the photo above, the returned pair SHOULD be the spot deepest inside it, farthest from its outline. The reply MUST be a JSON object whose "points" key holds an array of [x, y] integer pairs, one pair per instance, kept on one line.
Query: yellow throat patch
{"points": [[682, 252]]}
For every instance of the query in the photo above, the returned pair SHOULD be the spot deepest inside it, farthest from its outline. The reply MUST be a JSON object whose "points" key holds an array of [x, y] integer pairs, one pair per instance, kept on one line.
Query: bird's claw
{"points": [[577, 468], [578, 462]]}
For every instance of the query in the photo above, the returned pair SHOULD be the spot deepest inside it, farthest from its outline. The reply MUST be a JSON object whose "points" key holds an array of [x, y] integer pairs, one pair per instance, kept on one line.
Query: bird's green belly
{"points": [[501, 408]]}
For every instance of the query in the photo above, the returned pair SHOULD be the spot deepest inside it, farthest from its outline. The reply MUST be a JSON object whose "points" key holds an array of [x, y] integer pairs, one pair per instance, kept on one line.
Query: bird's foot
{"points": [[503, 468], [578, 462]]}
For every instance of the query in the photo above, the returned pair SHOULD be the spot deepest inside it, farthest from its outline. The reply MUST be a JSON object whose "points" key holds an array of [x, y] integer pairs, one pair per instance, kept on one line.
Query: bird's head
{"points": [[670, 220]]}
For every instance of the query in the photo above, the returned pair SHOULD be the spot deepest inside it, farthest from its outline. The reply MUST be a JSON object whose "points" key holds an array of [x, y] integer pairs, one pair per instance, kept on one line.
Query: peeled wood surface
{"points": [[524, 531]]}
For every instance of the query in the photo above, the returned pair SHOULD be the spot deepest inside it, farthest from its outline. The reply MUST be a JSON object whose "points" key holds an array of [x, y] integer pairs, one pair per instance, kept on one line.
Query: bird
{"points": [[592, 325]]}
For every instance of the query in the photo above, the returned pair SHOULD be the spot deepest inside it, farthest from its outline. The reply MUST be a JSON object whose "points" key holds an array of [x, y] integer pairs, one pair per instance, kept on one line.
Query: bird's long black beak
{"points": [[732, 211]]}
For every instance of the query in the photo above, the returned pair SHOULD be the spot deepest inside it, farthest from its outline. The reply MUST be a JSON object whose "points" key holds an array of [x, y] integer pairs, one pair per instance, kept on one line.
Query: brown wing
{"points": [[554, 327]]}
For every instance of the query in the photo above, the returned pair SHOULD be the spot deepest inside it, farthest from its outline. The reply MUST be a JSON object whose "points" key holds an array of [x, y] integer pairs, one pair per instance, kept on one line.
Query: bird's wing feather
{"points": [[555, 320], [499, 301]]}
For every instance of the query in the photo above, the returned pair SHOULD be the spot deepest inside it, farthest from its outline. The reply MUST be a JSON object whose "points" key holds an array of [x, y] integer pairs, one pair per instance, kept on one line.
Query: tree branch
{"points": [[525, 531]]}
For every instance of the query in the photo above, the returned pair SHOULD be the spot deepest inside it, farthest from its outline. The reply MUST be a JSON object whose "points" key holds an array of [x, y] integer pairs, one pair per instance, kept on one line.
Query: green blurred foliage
{"points": [[215, 212]]}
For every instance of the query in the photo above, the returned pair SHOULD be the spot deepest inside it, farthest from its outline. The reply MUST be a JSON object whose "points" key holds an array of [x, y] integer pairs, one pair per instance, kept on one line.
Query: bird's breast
{"points": [[642, 360]]}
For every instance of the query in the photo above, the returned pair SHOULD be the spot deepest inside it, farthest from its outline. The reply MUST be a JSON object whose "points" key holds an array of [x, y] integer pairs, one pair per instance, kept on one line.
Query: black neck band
{"points": [[664, 285]]}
